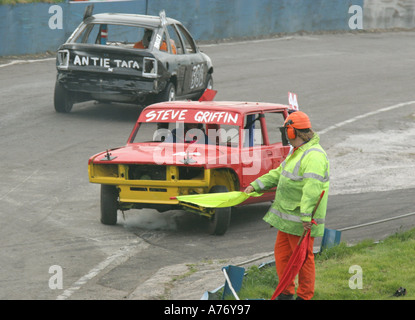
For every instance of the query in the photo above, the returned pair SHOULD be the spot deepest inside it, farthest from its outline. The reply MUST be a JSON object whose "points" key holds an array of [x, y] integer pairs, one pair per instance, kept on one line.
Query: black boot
{"points": [[283, 296]]}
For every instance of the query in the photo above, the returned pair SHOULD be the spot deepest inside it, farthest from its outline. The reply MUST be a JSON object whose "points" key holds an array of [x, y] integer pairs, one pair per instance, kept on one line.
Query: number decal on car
{"points": [[197, 76]]}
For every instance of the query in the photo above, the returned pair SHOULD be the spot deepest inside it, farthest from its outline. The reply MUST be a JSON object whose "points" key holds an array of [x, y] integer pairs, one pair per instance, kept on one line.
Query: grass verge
{"points": [[385, 267]]}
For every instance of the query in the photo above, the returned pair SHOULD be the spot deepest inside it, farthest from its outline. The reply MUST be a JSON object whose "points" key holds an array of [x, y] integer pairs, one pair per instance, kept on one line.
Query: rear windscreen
{"points": [[115, 35]]}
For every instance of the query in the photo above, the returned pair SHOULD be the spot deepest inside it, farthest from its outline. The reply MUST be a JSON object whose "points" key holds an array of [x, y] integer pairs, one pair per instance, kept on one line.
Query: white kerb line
{"points": [[376, 222]]}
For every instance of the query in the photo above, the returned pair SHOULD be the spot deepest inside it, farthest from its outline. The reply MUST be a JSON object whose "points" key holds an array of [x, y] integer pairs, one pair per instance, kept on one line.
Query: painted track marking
{"points": [[365, 115]]}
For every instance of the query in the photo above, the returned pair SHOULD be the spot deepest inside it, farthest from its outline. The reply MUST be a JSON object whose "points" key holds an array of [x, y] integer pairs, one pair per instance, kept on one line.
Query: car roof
{"points": [[128, 18], [234, 106]]}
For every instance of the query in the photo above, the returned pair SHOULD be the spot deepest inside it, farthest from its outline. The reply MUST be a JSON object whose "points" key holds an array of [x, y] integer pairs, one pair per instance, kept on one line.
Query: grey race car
{"points": [[129, 58]]}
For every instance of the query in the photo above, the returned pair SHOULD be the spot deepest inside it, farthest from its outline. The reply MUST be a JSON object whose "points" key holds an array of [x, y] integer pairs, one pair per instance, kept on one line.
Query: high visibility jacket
{"points": [[300, 179]]}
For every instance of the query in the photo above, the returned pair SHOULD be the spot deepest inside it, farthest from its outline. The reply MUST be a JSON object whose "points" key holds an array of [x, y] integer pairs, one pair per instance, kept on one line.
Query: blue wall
{"points": [[24, 28]]}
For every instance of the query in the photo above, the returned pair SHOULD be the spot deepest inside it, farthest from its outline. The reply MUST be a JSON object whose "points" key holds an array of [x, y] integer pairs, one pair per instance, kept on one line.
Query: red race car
{"points": [[191, 147]]}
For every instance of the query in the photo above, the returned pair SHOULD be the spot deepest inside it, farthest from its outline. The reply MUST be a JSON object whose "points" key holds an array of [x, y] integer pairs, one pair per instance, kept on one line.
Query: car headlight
{"points": [[63, 59], [149, 67]]}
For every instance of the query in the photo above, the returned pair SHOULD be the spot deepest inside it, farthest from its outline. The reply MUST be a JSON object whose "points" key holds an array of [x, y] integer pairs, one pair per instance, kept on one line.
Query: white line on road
{"points": [[244, 42], [117, 257], [19, 184], [24, 61], [365, 115]]}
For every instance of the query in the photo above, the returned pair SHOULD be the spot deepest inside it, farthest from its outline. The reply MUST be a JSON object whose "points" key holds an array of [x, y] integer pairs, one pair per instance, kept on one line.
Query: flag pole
{"points": [[312, 216]]}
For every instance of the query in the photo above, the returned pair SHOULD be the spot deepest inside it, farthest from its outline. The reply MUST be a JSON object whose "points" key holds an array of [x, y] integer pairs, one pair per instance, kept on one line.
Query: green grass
{"points": [[13, 2], [385, 266]]}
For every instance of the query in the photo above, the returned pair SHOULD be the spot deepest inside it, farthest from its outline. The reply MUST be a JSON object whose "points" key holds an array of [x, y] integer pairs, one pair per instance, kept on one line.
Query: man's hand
{"points": [[307, 225], [249, 189]]}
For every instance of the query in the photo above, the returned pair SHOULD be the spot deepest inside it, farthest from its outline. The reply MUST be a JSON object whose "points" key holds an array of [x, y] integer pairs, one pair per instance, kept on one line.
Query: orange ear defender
{"points": [[296, 120], [291, 133]]}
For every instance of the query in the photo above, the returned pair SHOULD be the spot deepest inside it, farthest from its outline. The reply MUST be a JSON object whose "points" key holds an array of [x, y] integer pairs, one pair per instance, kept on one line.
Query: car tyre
{"points": [[62, 99], [109, 204], [219, 222], [168, 94]]}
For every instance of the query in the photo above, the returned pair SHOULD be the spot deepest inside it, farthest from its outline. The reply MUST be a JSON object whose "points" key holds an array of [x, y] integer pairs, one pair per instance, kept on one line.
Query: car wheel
{"points": [[168, 94], [109, 204], [62, 100], [219, 222]]}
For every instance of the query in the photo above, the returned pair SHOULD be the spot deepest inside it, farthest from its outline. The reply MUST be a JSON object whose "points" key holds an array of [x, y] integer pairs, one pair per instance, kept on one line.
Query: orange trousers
{"points": [[284, 247]]}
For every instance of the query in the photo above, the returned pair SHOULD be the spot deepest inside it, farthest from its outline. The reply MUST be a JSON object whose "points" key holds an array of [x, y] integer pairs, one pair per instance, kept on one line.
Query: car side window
{"points": [[274, 121], [189, 44], [89, 34], [223, 135], [258, 137], [163, 43], [253, 131], [175, 43]]}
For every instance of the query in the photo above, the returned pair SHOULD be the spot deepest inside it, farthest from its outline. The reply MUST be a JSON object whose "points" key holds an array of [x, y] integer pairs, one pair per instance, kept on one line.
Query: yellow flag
{"points": [[218, 200]]}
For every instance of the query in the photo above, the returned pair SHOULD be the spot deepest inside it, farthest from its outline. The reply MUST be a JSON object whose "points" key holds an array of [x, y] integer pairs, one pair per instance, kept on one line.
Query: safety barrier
{"points": [[29, 28]]}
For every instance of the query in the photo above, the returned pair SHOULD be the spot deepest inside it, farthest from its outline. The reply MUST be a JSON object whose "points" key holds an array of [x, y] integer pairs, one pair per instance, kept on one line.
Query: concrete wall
{"points": [[386, 14], [25, 28]]}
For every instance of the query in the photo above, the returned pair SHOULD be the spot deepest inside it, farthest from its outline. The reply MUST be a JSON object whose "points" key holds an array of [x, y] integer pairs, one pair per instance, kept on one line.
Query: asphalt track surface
{"points": [[357, 88]]}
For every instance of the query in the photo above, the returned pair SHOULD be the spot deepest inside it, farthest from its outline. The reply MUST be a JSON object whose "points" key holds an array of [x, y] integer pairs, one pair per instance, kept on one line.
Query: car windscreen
{"points": [[115, 35], [175, 132]]}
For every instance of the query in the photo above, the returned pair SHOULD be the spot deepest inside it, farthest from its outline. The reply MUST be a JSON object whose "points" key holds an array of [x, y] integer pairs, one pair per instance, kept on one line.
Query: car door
{"points": [[172, 48], [196, 69], [178, 60]]}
